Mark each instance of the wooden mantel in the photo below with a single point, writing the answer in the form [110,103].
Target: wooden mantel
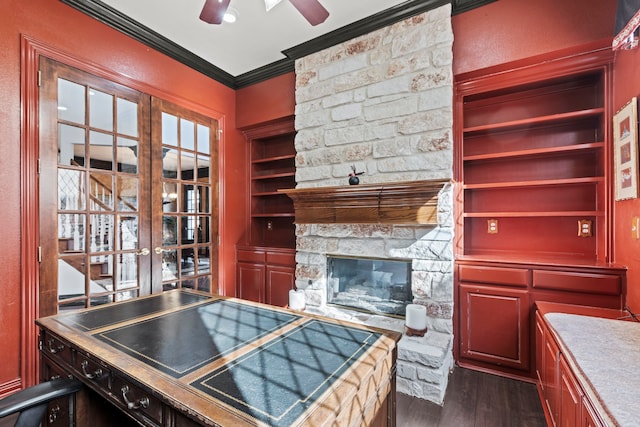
[411,202]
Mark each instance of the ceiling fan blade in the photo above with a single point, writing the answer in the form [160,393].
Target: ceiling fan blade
[312,10]
[214,10]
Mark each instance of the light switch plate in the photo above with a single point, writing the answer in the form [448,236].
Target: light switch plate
[635,227]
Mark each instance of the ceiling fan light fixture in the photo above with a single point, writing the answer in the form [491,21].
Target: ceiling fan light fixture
[213,11]
[230,16]
[269,4]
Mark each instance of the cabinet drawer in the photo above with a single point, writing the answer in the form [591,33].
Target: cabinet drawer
[494,275]
[58,410]
[56,349]
[605,284]
[136,401]
[251,256]
[281,258]
[92,370]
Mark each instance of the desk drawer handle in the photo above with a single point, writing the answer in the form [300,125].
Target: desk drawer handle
[54,350]
[143,402]
[53,414]
[96,375]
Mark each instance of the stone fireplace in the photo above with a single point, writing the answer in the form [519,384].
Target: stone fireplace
[424,363]
[382,104]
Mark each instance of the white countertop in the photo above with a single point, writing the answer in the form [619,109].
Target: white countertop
[606,354]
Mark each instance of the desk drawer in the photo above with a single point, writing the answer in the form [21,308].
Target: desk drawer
[89,369]
[56,349]
[58,410]
[138,403]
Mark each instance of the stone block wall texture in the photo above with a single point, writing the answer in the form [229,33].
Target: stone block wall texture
[383,103]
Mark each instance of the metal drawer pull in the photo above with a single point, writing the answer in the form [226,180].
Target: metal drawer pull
[52,349]
[96,375]
[53,414]
[143,402]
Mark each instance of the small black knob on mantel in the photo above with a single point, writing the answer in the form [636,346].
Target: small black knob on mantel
[353,176]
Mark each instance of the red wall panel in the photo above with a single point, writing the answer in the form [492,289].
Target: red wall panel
[626,82]
[508,30]
[266,101]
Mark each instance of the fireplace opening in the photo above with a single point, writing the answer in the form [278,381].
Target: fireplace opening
[379,286]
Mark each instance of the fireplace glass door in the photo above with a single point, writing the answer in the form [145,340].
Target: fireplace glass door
[380,286]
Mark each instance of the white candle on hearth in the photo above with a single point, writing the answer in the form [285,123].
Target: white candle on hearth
[296,299]
[416,317]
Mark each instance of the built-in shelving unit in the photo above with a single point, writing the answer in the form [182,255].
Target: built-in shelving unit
[533,202]
[265,261]
[533,166]
[272,160]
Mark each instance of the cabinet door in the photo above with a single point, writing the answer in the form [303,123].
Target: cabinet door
[551,376]
[279,281]
[540,337]
[590,417]
[251,281]
[570,397]
[494,325]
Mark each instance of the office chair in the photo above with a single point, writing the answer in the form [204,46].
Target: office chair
[31,403]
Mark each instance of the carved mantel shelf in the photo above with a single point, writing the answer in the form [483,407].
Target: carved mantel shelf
[411,202]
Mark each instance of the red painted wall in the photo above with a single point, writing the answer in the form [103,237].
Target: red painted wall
[626,82]
[507,30]
[62,27]
[266,101]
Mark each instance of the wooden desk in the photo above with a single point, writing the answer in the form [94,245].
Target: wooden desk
[184,358]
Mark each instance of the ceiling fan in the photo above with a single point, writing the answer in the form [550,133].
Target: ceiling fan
[214,10]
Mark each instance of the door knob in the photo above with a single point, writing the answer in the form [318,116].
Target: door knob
[159,250]
[143,252]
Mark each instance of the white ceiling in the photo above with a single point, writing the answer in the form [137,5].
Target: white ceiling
[255,40]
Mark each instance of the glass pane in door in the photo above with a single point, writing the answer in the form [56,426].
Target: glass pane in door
[98,195]
[186,200]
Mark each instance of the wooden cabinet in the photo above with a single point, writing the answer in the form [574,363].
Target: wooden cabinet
[563,398]
[590,417]
[265,274]
[266,261]
[533,218]
[570,396]
[496,325]
[279,281]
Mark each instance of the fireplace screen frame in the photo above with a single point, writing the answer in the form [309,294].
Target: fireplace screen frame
[361,293]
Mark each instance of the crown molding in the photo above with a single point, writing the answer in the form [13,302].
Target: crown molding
[460,6]
[117,20]
[364,26]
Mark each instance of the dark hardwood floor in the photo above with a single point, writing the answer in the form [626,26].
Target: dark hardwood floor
[475,399]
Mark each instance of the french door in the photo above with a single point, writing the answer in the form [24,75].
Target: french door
[127,189]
